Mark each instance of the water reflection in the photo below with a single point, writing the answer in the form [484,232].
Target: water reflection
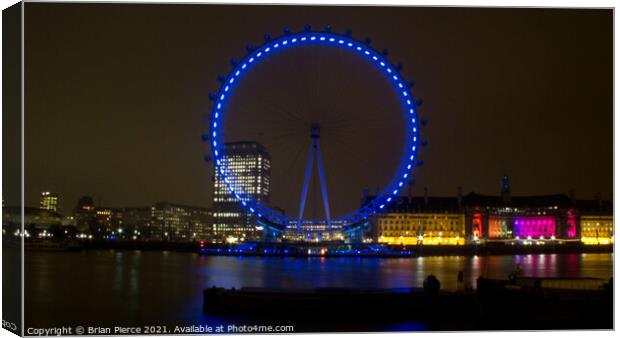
[128,287]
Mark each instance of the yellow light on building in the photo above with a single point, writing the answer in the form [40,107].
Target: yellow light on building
[49,201]
[597,230]
[421,228]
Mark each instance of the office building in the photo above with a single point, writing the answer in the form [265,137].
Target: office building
[139,225]
[84,215]
[179,223]
[49,201]
[248,168]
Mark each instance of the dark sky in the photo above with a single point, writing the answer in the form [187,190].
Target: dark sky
[116,96]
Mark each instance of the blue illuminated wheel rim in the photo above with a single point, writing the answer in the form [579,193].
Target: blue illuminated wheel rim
[315,38]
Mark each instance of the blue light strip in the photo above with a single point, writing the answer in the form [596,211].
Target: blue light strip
[318,39]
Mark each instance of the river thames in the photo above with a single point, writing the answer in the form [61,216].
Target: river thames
[109,288]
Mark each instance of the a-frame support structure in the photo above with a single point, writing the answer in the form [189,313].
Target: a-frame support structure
[315,150]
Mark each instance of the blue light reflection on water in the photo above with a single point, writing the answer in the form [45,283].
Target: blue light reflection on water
[129,287]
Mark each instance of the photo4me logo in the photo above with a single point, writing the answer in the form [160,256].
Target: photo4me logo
[193,329]
[9,325]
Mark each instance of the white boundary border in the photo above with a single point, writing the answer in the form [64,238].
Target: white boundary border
[454,3]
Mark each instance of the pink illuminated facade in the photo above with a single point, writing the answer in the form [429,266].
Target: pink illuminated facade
[571,224]
[534,226]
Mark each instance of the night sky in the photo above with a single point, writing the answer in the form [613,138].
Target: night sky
[116,99]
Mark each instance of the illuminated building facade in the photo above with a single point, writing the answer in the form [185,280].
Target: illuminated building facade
[179,223]
[597,229]
[498,227]
[422,228]
[571,224]
[520,217]
[421,221]
[162,221]
[596,222]
[108,223]
[476,218]
[49,201]
[476,224]
[314,231]
[249,168]
[96,222]
[507,217]
[535,226]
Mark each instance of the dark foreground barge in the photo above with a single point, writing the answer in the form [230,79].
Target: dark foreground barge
[518,304]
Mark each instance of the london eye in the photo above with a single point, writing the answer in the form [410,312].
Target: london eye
[362,95]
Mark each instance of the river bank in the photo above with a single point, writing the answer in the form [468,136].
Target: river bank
[324,249]
[348,250]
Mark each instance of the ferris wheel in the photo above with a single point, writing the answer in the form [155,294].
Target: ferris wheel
[406,106]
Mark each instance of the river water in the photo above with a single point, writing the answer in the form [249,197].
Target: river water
[109,288]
